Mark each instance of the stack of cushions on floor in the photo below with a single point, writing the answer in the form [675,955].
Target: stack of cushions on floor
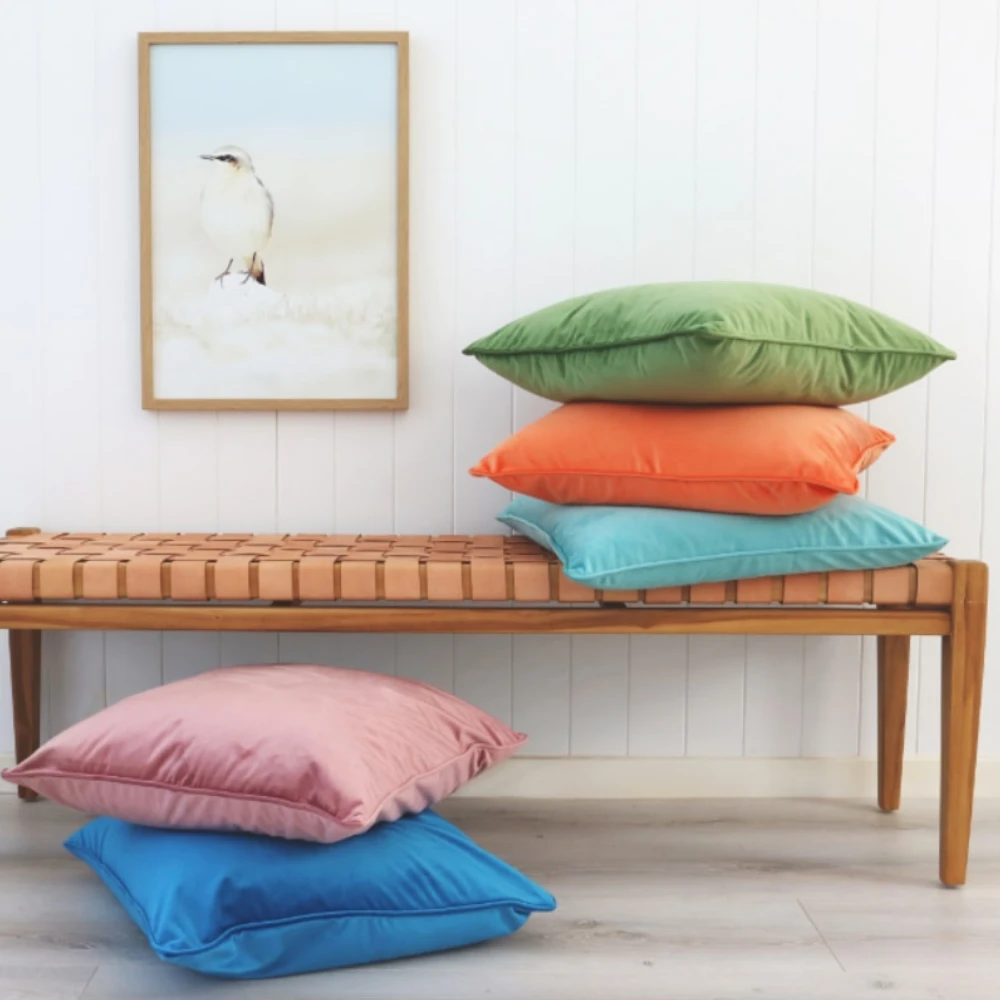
[701,437]
[270,820]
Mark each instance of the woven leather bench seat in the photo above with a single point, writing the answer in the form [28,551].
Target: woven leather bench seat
[365,568]
[493,584]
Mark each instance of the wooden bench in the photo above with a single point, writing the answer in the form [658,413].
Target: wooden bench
[489,583]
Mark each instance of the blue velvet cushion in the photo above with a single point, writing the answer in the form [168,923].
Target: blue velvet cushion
[247,907]
[626,548]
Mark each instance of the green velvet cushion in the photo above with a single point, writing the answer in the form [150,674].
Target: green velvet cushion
[710,342]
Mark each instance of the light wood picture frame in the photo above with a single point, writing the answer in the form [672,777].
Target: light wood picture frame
[274,200]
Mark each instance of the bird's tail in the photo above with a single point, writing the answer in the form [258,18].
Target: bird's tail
[257,270]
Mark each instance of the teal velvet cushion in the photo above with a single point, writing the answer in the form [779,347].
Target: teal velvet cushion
[626,548]
[709,342]
[243,906]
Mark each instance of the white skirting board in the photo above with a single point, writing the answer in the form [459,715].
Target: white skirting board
[697,778]
[705,778]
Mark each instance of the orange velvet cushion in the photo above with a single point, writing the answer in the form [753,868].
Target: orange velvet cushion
[730,459]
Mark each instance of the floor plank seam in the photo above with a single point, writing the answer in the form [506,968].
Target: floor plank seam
[86,985]
[822,936]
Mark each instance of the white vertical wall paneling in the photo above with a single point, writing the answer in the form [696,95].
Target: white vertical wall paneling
[724,191]
[485,211]
[427,658]
[901,287]
[604,253]
[21,447]
[845,149]
[901,243]
[715,696]
[130,452]
[666,89]
[247,491]
[541,692]
[544,167]
[773,708]
[376,653]
[964,191]
[129,435]
[309,647]
[845,165]
[425,474]
[483,672]
[306,472]
[133,663]
[67,103]
[989,740]
[189,455]
[246,445]
[658,668]
[960,280]
[599,695]
[69,222]
[483,291]
[557,148]
[248,502]
[306,15]
[543,216]
[785,145]
[605,144]
[237,648]
[867,726]
[783,241]
[842,247]
[189,446]
[348,649]
[831,697]
[189,442]
[365,442]
[188,653]
[541,688]
[247,495]
[923,735]
[306,442]
[724,205]
[248,442]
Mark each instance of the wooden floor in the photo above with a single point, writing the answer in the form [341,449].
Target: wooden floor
[778,900]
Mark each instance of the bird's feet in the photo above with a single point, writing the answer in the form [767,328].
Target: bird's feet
[219,277]
[255,271]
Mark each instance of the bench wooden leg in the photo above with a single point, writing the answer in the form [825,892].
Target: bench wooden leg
[962,661]
[893,681]
[26,691]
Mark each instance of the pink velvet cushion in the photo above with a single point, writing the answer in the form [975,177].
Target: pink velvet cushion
[297,751]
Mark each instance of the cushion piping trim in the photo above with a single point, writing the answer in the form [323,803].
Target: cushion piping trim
[581,578]
[659,477]
[270,799]
[84,854]
[877,449]
[945,354]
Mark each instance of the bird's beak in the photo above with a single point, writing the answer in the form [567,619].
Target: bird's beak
[206,156]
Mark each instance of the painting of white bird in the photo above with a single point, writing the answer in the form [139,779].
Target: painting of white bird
[273,175]
[237,211]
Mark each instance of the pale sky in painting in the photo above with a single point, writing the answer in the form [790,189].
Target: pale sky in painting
[199,90]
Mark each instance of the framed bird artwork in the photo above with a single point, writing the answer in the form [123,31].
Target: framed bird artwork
[274,199]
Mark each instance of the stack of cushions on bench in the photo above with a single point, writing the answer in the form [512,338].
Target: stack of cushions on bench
[701,437]
[270,820]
